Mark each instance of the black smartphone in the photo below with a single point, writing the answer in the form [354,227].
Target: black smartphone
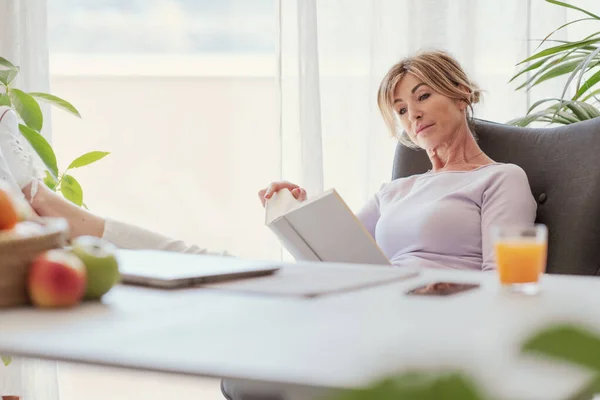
[442,289]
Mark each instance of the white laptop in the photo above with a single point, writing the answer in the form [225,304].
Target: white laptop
[174,270]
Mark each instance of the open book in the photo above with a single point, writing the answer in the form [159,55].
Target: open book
[322,228]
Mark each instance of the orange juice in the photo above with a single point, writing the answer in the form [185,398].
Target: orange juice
[520,260]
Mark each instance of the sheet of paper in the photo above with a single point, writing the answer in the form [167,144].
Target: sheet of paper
[314,280]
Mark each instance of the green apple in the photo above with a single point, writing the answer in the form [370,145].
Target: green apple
[99,257]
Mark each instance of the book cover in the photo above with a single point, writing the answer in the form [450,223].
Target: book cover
[322,228]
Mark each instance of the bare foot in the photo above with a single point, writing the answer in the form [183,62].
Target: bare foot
[47,203]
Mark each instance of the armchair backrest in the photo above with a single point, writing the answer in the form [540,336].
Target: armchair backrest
[563,167]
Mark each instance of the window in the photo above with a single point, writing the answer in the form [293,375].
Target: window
[183,94]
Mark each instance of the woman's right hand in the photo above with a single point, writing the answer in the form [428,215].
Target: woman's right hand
[274,187]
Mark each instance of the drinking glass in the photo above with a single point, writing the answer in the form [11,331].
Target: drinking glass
[520,256]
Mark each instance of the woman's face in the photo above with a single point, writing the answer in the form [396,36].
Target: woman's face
[428,117]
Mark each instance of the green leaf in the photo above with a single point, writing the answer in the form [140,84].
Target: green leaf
[6,360]
[56,101]
[533,66]
[87,159]
[592,111]
[557,113]
[28,109]
[5,100]
[418,386]
[555,119]
[577,110]
[560,3]
[540,102]
[591,36]
[587,85]
[569,343]
[50,181]
[585,66]
[578,49]
[41,147]
[559,48]
[562,27]
[6,64]
[528,119]
[581,110]
[559,70]
[71,189]
[8,71]
[547,62]
[574,73]
[554,115]
[559,118]
[8,75]
[565,116]
[590,95]
[556,62]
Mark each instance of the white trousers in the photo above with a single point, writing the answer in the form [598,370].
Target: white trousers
[127,236]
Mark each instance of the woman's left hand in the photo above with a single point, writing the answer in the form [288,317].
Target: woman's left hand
[265,194]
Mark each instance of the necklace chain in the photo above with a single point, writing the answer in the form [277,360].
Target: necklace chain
[465,160]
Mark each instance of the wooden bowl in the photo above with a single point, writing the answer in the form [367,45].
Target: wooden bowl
[17,251]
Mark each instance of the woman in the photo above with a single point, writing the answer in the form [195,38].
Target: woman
[443,218]
[440,219]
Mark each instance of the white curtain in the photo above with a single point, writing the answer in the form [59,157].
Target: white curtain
[333,54]
[23,41]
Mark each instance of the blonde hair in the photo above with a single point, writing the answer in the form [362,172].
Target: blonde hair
[438,70]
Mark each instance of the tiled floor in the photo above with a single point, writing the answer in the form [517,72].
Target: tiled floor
[78,382]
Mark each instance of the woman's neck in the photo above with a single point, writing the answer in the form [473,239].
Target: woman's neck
[460,152]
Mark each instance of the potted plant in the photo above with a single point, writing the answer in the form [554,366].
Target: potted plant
[28,109]
[580,59]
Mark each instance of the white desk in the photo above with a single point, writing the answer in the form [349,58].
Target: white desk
[339,341]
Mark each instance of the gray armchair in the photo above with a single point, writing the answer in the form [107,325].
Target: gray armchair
[563,167]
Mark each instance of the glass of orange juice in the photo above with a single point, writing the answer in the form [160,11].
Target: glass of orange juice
[520,256]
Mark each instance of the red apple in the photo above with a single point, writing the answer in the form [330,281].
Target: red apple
[8,211]
[57,278]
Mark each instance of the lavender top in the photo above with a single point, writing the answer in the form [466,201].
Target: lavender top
[443,220]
